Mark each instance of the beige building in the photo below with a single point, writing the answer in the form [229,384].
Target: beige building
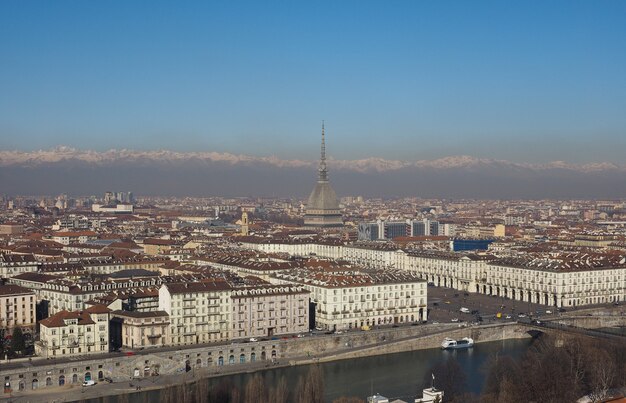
[154,247]
[17,308]
[351,299]
[552,278]
[264,311]
[13,265]
[68,237]
[499,231]
[199,311]
[143,329]
[74,333]
[11,228]
[568,279]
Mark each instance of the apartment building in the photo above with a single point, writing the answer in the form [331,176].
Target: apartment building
[71,333]
[141,329]
[14,264]
[62,294]
[484,273]
[565,279]
[351,298]
[265,311]
[199,311]
[17,308]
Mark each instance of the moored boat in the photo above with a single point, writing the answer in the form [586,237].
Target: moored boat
[465,342]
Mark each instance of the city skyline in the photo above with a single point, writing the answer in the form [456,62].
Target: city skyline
[530,83]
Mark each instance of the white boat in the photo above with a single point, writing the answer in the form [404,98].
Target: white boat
[465,342]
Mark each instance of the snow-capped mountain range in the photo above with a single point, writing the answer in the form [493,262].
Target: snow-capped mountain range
[114,156]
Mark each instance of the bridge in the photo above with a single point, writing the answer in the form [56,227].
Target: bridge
[585,325]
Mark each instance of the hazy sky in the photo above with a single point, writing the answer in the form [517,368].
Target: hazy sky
[525,81]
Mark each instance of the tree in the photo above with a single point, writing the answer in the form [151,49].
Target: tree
[223,392]
[352,399]
[311,388]
[449,377]
[255,391]
[279,393]
[601,375]
[18,344]
[201,390]
[500,370]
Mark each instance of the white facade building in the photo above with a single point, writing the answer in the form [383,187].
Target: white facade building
[199,311]
[74,333]
[550,278]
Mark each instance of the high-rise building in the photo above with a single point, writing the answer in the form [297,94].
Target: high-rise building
[322,209]
[368,231]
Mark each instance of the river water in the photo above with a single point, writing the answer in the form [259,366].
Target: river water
[398,375]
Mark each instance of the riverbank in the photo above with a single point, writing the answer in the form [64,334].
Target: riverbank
[294,353]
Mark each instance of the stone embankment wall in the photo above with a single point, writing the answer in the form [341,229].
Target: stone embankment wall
[480,334]
[40,373]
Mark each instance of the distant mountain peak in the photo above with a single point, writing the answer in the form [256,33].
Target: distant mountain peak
[62,153]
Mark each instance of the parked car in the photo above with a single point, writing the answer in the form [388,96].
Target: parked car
[89,383]
[521,315]
[548,312]
[454,320]
[253,339]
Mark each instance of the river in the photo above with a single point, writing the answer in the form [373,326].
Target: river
[397,375]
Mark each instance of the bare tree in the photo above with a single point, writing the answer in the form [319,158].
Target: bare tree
[201,391]
[602,375]
[235,395]
[255,391]
[280,392]
[352,399]
[311,388]
[449,377]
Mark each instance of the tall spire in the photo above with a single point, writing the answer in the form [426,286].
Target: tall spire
[323,172]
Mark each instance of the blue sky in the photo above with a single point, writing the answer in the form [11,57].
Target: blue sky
[525,81]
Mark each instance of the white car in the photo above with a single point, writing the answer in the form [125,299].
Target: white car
[508,316]
[89,383]
[253,339]
[548,312]
[454,320]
